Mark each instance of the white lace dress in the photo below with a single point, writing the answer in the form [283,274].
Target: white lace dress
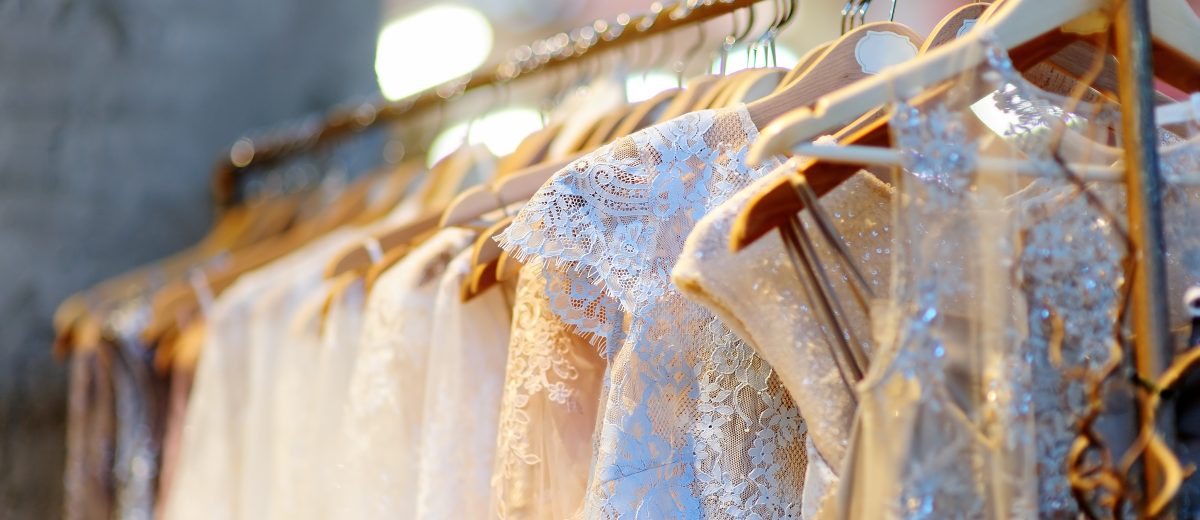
[552,391]
[793,336]
[693,423]
[463,384]
[386,397]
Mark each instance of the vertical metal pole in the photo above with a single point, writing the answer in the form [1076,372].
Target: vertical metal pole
[1153,348]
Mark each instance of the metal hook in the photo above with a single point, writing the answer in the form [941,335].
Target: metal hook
[892,14]
[846,10]
[863,6]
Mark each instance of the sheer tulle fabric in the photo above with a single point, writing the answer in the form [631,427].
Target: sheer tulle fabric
[552,389]
[793,337]
[693,422]
[221,444]
[463,385]
[386,398]
[942,428]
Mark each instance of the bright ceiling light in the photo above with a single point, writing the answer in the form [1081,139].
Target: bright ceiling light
[430,47]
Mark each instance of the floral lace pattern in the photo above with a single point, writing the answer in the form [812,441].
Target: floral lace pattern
[551,393]
[694,423]
[794,339]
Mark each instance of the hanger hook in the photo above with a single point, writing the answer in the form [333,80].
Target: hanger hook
[863,6]
[846,10]
[892,14]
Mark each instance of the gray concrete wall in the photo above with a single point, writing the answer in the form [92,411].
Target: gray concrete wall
[111,115]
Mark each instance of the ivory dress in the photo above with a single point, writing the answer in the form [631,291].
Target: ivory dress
[386,398]
[463,384]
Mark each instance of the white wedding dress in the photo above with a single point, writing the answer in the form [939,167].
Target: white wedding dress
[386,398]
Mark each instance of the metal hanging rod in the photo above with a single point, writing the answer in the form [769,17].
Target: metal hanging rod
[539,57]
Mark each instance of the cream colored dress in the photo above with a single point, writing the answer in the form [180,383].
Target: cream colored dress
[386,398]
[463,383]
[552,390]
[759,294]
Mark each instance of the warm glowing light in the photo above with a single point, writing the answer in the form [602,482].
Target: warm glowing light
[430,47]
[499,131]
[640,87]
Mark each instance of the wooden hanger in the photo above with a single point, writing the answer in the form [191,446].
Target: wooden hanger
[712,98]
[755,86]
[478,201]
[772,208]
[645,113]
[391,258]
[178,300]
[846,61]
[683,103]
[1013,23]
[604,130]
[485,259]
[531,150]
[389,192]
[360,257]
[804,63]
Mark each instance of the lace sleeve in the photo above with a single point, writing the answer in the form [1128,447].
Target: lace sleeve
[587,212]
[615,220]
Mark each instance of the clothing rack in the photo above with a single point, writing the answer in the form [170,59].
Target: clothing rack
[556,51]
[1153,349]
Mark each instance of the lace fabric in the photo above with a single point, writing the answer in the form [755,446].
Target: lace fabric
[792,338]
[694,423]
[463,388]
[552,390]
[386,397]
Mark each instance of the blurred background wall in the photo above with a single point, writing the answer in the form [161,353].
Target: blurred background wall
[112,113]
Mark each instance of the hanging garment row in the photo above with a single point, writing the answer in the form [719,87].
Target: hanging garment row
[891,282]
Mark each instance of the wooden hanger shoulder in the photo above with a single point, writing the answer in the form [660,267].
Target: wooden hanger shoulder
[711,98]
[360,257]
[804,63]
[1012,23]
[532,150]
[604,130]
[859,54]
[761,84]
[646,112]
[485,259]
[683,103]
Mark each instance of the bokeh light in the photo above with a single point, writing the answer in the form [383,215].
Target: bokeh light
[430,47]
[499,131]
